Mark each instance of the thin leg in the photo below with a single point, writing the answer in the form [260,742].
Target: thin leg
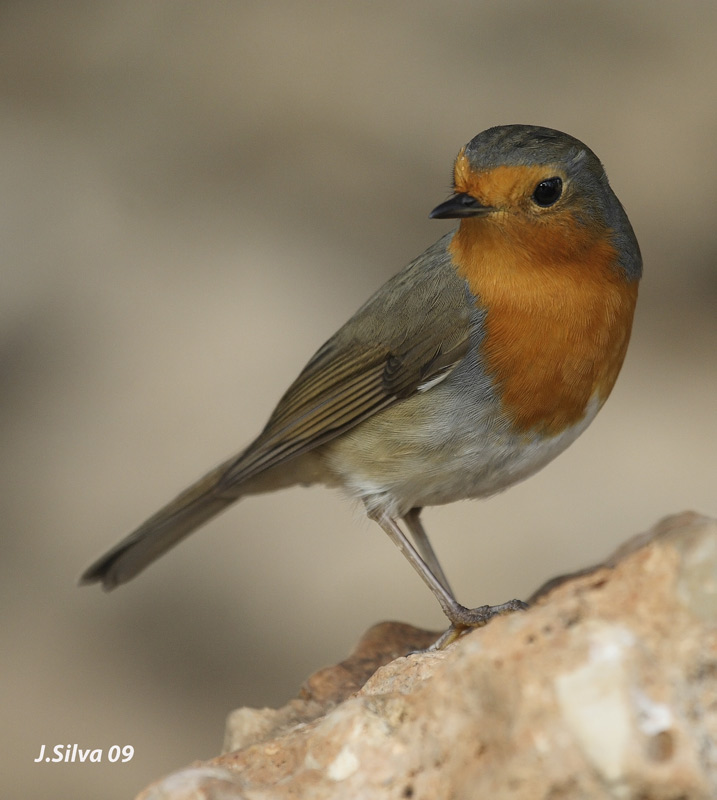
[399,538]
[424,547]
[459,616]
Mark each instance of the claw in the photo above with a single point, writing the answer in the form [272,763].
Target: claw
[466,618]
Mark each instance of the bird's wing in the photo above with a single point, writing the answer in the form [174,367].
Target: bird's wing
[406,338]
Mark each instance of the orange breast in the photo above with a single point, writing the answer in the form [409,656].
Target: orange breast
[558,317]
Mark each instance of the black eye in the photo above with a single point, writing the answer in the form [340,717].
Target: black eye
[548,191]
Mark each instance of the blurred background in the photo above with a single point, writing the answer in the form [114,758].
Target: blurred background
[194,197]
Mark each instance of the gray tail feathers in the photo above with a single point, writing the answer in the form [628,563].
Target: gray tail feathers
[192,508]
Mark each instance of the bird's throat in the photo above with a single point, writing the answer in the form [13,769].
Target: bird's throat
[558,316]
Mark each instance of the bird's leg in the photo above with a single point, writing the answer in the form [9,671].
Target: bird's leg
[459,616]
[399,538]
[424,547]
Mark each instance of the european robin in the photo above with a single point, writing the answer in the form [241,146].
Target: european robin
[465,373]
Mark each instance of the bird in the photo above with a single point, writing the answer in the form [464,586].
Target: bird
[467,372]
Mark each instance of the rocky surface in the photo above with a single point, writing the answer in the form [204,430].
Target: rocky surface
[605,688]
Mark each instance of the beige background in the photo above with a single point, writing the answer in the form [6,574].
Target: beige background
[194,196]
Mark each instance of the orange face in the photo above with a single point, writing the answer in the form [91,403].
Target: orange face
[505,187]
[559,308]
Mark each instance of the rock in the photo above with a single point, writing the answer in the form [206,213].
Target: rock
[605,688]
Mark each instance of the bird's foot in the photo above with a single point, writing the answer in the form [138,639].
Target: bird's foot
[463,619]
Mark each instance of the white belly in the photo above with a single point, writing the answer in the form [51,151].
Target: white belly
[413,455]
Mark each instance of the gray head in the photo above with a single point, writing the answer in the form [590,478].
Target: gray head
[528,145]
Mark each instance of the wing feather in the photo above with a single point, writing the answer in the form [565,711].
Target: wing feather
[405,339]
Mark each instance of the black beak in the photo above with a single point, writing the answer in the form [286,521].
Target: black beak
[460,206]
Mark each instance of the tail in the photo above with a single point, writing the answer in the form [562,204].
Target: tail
[192,508]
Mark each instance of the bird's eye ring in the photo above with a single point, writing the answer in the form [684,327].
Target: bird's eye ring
[548,192]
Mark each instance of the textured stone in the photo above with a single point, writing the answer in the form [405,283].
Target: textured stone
[605,688]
